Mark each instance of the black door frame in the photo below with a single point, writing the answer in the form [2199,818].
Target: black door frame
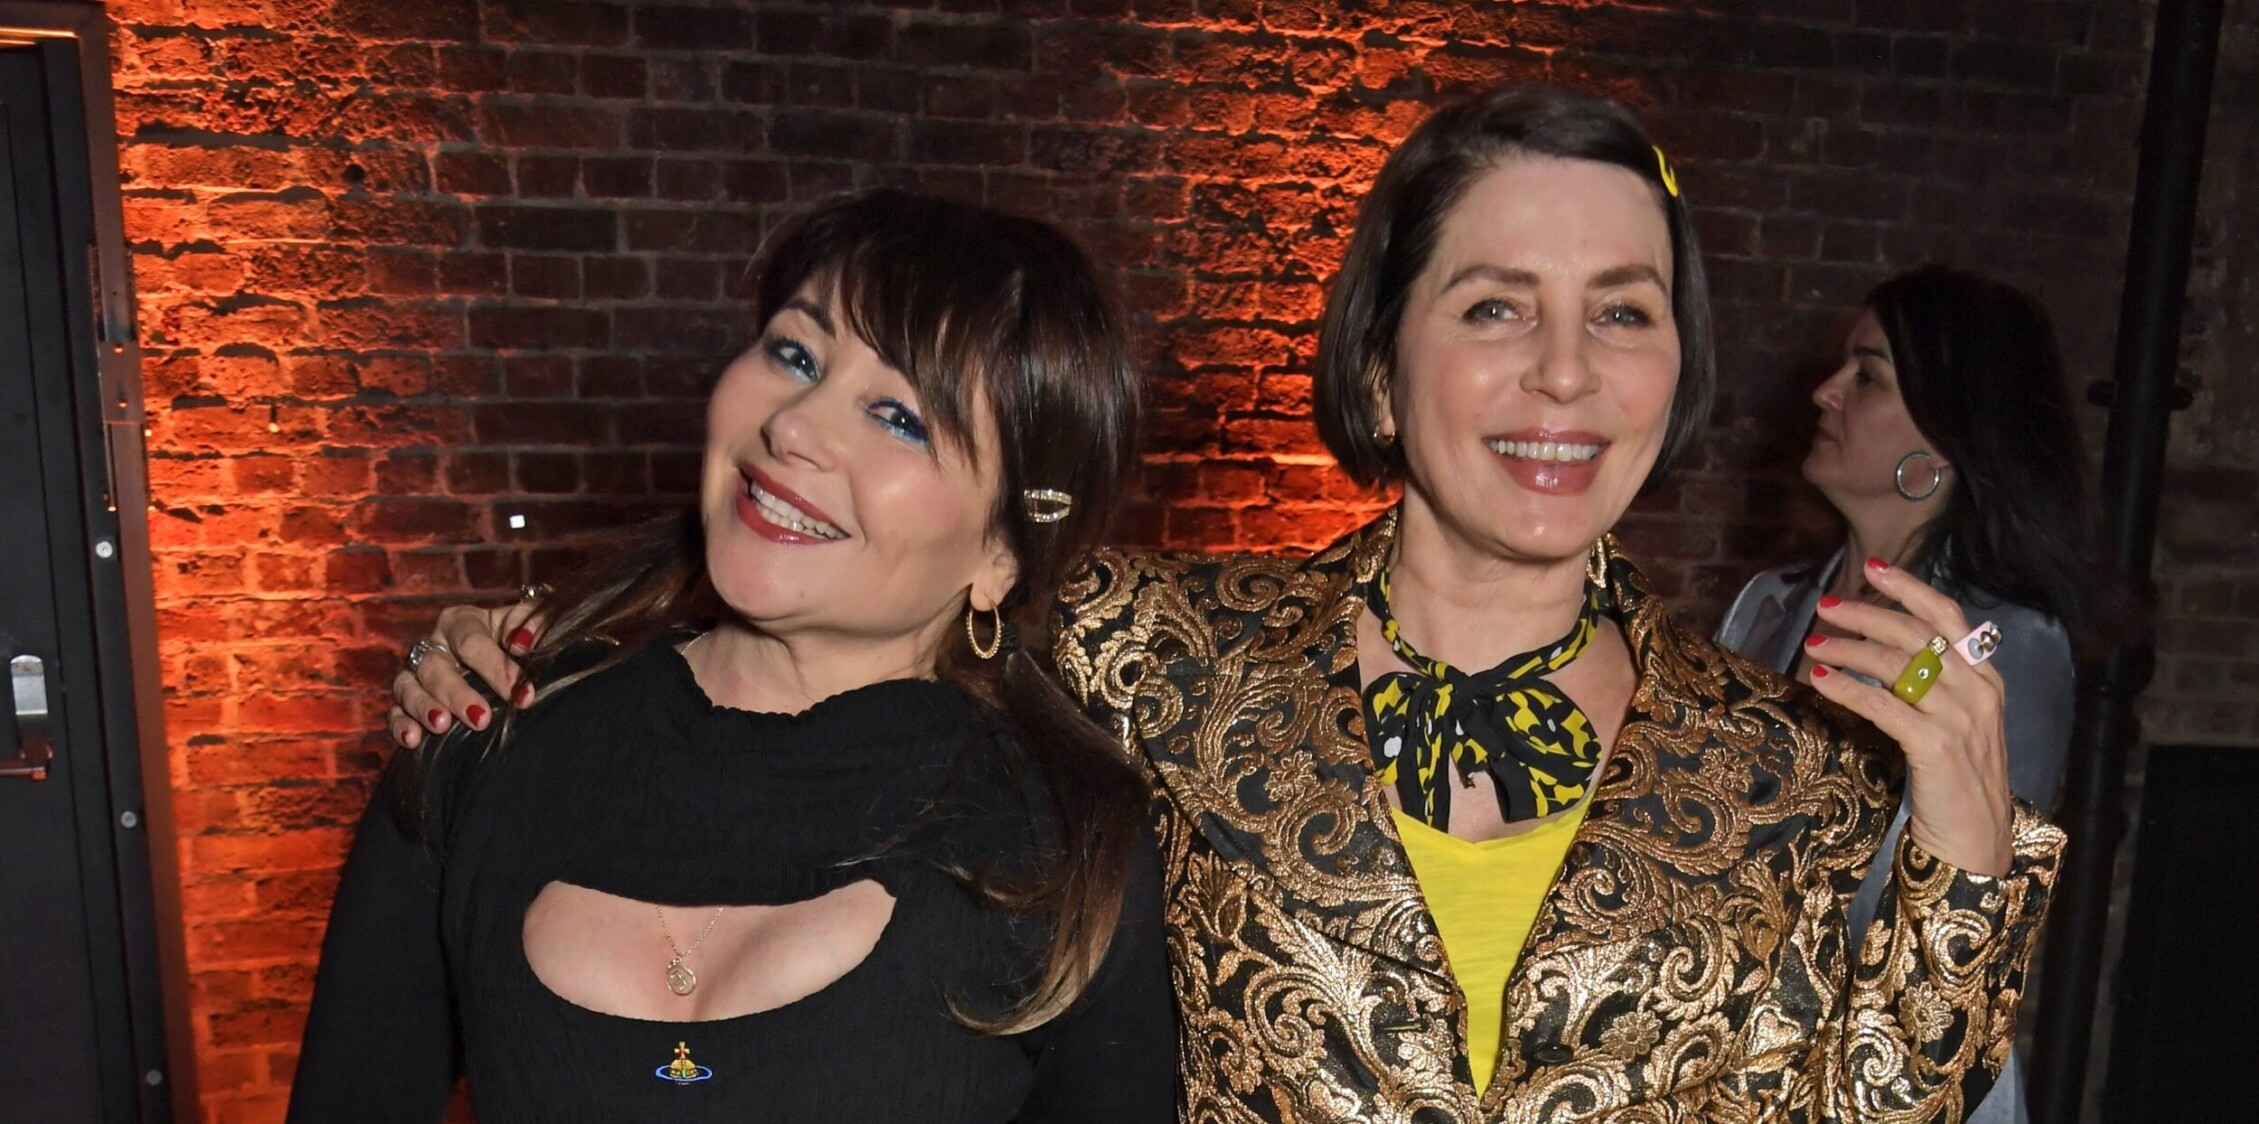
[114,564]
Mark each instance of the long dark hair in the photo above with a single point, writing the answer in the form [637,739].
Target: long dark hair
[964,301]
[1395,237]
[1982,379]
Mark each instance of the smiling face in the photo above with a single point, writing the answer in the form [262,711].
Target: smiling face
[1864,429]
[1536,358]
[829,505]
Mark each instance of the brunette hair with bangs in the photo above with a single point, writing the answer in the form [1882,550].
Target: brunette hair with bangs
[970,302]
[977,309]
[1395,239]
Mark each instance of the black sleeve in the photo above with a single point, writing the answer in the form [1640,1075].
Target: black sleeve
[380,1043]
[1111,1059]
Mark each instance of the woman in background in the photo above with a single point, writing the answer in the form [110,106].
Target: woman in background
[1946,442]
[798,829]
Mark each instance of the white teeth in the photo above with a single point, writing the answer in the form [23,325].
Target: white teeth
[1545,450]
[790,517]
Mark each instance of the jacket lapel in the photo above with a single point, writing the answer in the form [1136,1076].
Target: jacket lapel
[1790,617]
[1624,802]
[1268,760]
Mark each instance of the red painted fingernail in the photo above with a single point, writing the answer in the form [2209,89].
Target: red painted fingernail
[1815,640]
[523,695]
[476,715]
[1830,601]
[521,638]
[1877,564]
[436,718]
[1820,672]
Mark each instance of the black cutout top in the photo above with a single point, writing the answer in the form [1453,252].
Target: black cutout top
[633,783]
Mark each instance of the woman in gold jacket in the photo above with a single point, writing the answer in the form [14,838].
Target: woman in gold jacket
[1519,337]
[1606,878]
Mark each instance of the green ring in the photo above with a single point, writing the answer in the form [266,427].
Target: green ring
[1921,673]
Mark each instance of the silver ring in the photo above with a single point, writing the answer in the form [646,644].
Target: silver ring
[422,650]
[535,591]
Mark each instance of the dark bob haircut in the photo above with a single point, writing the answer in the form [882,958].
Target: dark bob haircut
[1396,233]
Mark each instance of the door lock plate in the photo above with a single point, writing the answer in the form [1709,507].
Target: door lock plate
[35,745]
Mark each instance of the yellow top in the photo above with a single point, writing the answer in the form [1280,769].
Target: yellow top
[1484,896]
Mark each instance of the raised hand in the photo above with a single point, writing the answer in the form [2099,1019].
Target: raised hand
[1954,734]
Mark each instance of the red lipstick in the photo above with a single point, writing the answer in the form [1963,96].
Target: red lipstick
[758,521]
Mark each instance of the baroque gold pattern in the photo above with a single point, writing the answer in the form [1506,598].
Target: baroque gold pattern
[1689,962]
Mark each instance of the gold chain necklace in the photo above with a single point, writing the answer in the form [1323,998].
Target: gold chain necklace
[680,979]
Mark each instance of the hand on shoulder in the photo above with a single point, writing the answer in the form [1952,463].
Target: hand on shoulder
[434,694]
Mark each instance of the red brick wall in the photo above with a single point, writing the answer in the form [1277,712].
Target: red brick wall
[410,267]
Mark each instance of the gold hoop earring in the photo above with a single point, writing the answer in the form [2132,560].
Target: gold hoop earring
[995,642]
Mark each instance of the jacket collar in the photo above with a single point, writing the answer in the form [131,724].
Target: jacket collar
[1307,819]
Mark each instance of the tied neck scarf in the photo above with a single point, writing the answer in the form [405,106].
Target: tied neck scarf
[1537,746]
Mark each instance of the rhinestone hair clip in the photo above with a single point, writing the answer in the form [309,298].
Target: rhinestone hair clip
[1046,505]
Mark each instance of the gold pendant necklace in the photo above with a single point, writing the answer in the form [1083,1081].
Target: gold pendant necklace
[680,979]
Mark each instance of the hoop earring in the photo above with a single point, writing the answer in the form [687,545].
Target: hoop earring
[995,641]
[1898,477]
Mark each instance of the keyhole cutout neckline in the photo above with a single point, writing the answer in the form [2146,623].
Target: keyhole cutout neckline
[587,949]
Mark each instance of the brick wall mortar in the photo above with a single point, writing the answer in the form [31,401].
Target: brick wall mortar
[407,270]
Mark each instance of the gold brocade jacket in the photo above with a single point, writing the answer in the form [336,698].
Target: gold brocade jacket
[1688,963]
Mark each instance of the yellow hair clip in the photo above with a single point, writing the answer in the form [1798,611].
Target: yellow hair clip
[1663,165]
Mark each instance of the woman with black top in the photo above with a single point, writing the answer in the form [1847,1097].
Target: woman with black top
[802,828]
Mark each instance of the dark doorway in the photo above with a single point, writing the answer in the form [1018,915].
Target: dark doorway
[2181,1045]
[82,992]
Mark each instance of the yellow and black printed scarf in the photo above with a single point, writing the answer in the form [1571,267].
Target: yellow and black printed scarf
[1538,748]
